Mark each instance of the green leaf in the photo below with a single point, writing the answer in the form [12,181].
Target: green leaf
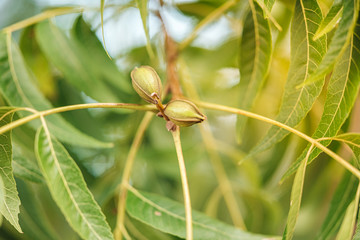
[255,57]
[169,216]
[268,4]
[70,58]
[24,161]
[338,42]
[331,19]
[2,200]
[306,54]
[92,53]
[26,169]
[341,95]
[17,85]
[143,7]
[295,200]
[342,197]
[102,5]
[353,140]
[68,188]
[10,199]
[35,223]
[347,227]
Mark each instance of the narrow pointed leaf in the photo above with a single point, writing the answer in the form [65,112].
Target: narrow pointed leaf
[255,57]
[306,54]
[68,188]
[342,197]
[9,200]
[102,5]
[353,141]
[69,58]
[338,42]
[347,227]
[143,7]
[169,216]
[295,201]
[92,53]
[341,95]
[17,86]
[331,19]
[268,4]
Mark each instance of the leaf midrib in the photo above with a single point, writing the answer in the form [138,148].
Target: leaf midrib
[306,73]
[64,180]
[151,203]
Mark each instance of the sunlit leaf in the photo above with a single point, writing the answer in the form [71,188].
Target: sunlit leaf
[306,54]
[342,197]
[68,188]
[347,227]
[338,42]
[268,4]
[169,216]
[329,22]
[353,141]
[255,56]
[68,57]
[9,200]
[341,95]
[143,7]
[17,86]
[295,200]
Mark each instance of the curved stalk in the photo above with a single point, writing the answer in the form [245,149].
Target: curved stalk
[185,185]
[315,142]
[39,114]
[119,230]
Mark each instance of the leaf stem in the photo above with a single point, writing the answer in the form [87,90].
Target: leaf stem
[188,216]
[42,16]
[126,175]
[36,115]
[316,143]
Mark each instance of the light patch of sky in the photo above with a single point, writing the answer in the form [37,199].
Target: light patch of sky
[214,34]
[125,31]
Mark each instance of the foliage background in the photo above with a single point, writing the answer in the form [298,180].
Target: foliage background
[67,59]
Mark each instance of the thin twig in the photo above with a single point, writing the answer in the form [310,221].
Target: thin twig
[36,115]
[185,186]
[127,172]
[215,160]
[316,143]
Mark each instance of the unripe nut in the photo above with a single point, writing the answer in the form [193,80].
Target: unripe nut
[146,83]
[183,113]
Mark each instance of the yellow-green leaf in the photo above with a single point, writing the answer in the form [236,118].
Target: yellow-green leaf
[331,19]
[255,55]
[306,54]
[338,42]
[341,95]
